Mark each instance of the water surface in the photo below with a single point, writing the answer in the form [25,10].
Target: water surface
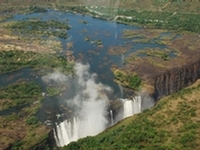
[109,33]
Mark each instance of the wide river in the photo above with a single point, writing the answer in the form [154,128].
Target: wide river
[99,59]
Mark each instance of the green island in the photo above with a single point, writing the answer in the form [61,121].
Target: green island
[173,122]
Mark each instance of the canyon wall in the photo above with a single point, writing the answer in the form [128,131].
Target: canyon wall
[175,79]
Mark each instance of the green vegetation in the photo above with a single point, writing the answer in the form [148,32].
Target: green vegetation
[52,90]
[39,28]
[132,80]
[31,140]
[162,20]
[36,9]
[97,43]
[78,9]
[26,9]
[14,60]
[171,20]
[178,21]
[21,130]
[118,50]
[5,17]
[159,53]
[32,120]
[83,22]
[29,96]
[87,38]
[143,35]
[19,94]
[129,34]
[171,124]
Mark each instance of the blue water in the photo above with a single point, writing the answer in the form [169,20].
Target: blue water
[110,33]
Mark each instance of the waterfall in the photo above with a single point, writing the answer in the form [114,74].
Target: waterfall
[121,90]
[76,128]
[67,131]
[128,108]
[122,57]
[59,136]
[132,106]
[116,35]
[89,101]
[56,137]
[137,104]
[111,117]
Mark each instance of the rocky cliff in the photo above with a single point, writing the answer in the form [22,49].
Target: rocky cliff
[175,79]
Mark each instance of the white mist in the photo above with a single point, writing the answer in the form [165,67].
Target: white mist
[90,105]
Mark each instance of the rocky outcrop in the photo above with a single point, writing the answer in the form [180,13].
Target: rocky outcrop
[175,79]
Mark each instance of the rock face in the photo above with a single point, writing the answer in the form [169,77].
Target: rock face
[175,79]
